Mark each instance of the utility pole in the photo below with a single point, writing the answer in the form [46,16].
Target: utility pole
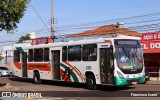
[52,20]
[6,57]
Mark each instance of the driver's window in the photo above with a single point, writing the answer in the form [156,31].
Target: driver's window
[122,55]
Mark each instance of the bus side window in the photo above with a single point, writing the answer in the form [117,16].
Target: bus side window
[46,54]
[17,56]
[74,53]
[64,53]
[38,54]
[30,55]
[89,52]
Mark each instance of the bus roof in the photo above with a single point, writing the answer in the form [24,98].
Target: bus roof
[78,42]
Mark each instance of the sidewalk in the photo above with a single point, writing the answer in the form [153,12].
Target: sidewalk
[153,81]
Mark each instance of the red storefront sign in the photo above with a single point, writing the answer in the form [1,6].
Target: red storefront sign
[41,41]
[151,42]
[153,36]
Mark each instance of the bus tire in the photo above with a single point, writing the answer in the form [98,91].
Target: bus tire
[90,82]
[36,78]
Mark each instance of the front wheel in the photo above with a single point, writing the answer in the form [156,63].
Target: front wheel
[36,78]
[91,83]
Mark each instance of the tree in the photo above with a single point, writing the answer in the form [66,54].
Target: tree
[1,57]
[23,38]
[11,11]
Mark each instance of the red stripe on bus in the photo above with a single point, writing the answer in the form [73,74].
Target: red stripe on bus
[39,66]
[64,77]
[74,69]
[18,65]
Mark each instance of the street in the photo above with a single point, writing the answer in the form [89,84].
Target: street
[60,90]
[46,85]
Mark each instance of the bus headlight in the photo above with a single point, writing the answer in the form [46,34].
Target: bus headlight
[120,75]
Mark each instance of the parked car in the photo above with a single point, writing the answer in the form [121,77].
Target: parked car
[5,71]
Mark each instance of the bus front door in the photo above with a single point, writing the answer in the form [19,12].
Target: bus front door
[56,64]
[106,65]
[24,64]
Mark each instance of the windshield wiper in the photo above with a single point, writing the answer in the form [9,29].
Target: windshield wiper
[136,50]
[125,52]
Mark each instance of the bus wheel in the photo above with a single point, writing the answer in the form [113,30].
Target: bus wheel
[36,78]
[11,74]
[91,83]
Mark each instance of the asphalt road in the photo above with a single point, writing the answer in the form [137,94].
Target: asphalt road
[51,90]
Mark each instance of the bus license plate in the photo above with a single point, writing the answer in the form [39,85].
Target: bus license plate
[134,83]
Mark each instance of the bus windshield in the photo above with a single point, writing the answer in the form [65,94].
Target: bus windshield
[129,56]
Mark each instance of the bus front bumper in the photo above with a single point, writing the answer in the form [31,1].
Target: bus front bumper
[128,81]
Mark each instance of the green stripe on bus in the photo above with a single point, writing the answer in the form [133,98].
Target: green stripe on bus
[19,49]
[72,73]
[123,81]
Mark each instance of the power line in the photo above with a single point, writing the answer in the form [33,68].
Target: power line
[40,17]
[131,20]
[127,18]
[74,18]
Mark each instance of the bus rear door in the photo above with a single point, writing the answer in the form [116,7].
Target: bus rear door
[56,64]
[24,64]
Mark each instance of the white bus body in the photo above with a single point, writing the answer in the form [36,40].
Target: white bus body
[94,61]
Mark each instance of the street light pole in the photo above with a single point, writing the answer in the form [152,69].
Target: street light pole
[52,20]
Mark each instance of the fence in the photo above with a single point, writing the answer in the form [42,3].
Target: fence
[153,72]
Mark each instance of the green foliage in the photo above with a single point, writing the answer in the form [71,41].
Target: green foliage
[23,38]
[11,11]
[1,57]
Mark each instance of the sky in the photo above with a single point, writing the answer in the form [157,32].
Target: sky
[74,16]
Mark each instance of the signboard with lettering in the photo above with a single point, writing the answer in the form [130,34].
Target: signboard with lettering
[151,47]
[151,42]
[152,36]
[126,42]
[38,41]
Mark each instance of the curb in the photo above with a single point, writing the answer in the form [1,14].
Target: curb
[153,82]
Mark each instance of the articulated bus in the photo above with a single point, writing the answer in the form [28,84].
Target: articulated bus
[117,61]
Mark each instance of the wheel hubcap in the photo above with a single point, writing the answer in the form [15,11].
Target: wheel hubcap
[36,79]
[90,82]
